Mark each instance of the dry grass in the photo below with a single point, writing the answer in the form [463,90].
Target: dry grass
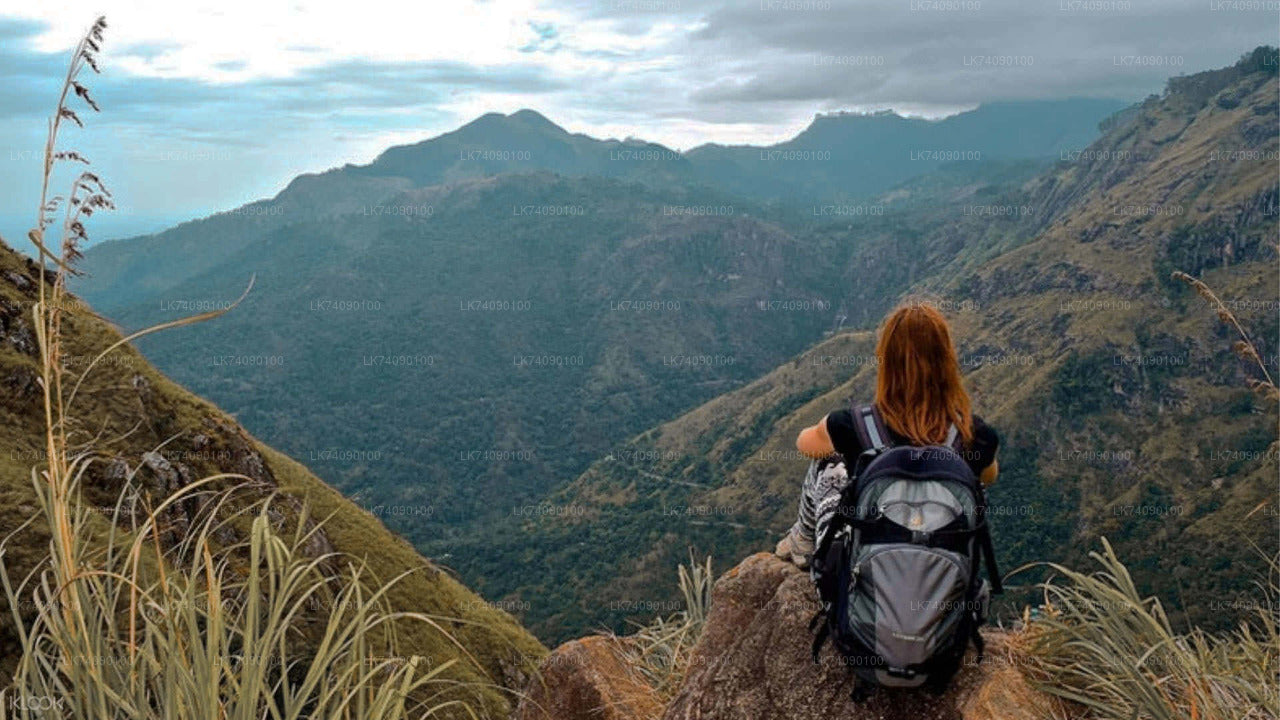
[660,651]
[1243,347]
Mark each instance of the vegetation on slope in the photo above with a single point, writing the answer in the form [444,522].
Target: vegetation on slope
[461,436]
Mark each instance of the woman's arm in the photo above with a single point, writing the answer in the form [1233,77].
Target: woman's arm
[815,442]
[986,442]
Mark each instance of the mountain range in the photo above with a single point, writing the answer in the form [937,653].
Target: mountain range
[850,157]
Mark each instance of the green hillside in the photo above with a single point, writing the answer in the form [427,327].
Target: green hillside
[172,438]
[464,363]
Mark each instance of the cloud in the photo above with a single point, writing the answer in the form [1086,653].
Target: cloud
[961,52]
[545,41]
[211,103]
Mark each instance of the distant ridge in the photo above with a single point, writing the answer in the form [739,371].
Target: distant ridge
[835,159]
[851,155]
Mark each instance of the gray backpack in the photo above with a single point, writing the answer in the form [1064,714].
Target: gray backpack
[897,561]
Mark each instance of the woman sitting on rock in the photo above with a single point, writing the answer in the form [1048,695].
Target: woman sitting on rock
[922,400]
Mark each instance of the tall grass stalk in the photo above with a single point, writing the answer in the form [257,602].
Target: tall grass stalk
[235,621]
[1244,347]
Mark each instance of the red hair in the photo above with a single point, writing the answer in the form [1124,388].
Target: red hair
[919,391]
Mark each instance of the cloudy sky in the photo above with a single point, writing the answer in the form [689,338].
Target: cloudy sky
[207,105]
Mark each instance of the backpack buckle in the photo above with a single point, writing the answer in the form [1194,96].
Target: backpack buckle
[921,537]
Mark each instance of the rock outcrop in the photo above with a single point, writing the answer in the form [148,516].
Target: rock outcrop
[753,662]
[589,679]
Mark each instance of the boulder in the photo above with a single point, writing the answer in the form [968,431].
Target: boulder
[753,662]
[589,679]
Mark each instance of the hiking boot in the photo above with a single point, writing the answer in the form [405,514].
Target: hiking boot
[796,548]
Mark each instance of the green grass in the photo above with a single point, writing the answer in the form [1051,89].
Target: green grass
[1101,644]
[660,650]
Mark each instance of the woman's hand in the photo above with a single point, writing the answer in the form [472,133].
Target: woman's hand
[989,473]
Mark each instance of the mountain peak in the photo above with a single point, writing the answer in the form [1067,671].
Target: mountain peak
[520,120]
[533,117]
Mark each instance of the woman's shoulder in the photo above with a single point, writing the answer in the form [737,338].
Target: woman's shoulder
[842,430]
[983,431]
[843,416]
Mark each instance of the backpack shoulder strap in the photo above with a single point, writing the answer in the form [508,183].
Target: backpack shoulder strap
[954,441]
[872,432]
[989,558]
